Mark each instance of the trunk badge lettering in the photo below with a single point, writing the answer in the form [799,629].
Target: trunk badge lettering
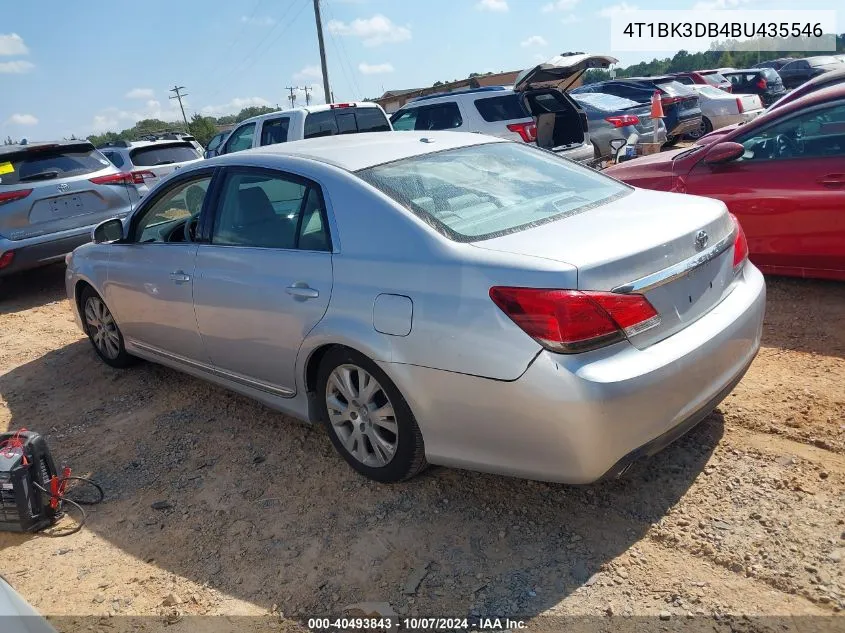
[63,187]
[701,239]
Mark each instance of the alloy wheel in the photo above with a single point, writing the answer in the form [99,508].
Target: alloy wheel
[102,328]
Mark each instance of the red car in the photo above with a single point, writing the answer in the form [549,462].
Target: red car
[705,77]
[782,175]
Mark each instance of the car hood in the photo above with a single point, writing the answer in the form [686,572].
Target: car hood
[565,66]
[716,135]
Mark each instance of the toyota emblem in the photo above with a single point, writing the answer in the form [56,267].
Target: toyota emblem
[63,187]
[701,239]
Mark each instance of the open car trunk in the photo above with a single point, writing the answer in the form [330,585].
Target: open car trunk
[560,122]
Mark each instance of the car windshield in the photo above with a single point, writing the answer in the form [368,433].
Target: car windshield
[487,190]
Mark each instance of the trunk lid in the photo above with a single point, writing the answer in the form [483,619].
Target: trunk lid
[566,66]
[750,102]
[652,232]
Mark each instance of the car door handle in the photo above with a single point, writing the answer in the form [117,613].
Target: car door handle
[302,291]
[179,277]
[832,180]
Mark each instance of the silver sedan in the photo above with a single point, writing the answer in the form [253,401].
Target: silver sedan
[438,298]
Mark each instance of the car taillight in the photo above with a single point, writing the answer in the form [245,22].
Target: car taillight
[670,100]
[623,119]
[114,179]
[138,177]
[6,258]
[11,196]
[740,246]
[761,84]
[335,106]
[528,131]
[573,321]
[739,107]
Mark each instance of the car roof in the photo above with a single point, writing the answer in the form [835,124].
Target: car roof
[359,151]
[18,147]
[440,97]
[310,109]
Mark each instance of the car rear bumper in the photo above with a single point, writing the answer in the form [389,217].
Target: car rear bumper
[685,126]
[580,153]
[579,418]
[42,250]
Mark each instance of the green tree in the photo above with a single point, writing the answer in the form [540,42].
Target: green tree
[202,128]
[229,119]
[9,141]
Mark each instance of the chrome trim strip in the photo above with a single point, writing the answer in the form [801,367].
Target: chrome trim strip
[220,373]
[661,277]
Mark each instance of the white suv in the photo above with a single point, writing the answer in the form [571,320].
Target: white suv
[148,162]
[308,122]
[535,110]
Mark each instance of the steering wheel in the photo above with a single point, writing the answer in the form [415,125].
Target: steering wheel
[786,146]
[189,229]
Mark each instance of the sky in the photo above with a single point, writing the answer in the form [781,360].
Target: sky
[95,65]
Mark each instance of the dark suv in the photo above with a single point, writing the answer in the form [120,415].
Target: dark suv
[681,110]
[765,82]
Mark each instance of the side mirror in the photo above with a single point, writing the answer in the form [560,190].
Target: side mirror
[722,153]
[108,231]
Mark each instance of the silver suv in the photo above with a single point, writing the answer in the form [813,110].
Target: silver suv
[536,109]
[51,197]
[148,162]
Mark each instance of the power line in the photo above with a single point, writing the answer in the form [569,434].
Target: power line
[344,56]
[179,96]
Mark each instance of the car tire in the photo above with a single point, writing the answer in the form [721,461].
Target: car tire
[370,424]
[705,128]
[102,330]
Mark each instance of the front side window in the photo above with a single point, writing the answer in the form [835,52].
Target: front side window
[262,210]
[241,139]
[274,131]
[816,134]
[406,120]
[483,191]
[168,213]
[441,116]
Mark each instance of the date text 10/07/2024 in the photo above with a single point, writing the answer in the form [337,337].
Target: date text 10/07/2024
[414,624]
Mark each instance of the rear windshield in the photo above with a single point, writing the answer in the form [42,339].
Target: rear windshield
[345,121]
[484,191]
[674,88]
[505,108]
[714,79]
[153,155]
[605,102]
[37,164]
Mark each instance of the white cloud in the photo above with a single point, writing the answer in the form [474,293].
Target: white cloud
[375,69]
[16,67]
[22,119]
[265,21]
[618,9]
[373,31]
[309,72]
[559,5]
[140,93]
[234,106]
[492,5]
[116,119]
[534,40]
[570,19]
[12,44]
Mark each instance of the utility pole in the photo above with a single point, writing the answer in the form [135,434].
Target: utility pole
[307,90]
[292,96]
[179,96]
[322,52]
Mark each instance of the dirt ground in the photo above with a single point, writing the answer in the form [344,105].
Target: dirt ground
[743,516]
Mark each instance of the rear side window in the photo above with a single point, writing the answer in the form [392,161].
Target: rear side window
[320,124]
[438,116]
[275,131]
[46,164]
[506,108]
[371,120]
[115,158]
[153,155]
